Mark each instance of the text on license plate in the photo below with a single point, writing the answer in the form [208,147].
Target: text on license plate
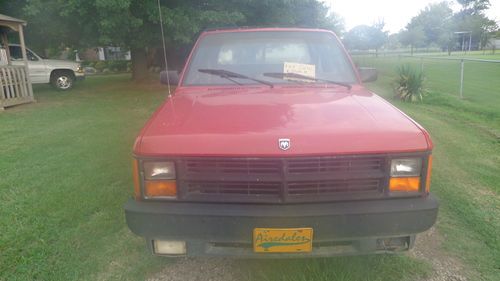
[282,240]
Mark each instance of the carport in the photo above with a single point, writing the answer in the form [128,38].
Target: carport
[15,83]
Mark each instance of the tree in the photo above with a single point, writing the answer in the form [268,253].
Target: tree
[134,24]
[473,7]
[393,42]
[435,22]
[304,13]
[413,36]
[364,37]
[478,24]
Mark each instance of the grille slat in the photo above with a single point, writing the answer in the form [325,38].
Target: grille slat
[234,188]
[326,187]
[264,179]
[224,166]
[330,165]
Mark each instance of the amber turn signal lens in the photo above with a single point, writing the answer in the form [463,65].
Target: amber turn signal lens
[411,184]
[160,189]
[428,179]
[137,185]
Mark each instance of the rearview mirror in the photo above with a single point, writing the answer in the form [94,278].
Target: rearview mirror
[171,76]
[368,74]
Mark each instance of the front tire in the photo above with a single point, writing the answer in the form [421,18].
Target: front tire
[62,80]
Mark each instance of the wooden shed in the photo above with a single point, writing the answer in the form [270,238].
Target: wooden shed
[15,83]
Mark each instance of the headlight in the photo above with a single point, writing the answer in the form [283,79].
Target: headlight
[159,170]
[408,167]
[405,175]
[159,180]
[79,68]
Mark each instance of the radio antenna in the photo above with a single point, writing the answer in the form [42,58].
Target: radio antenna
[164,47]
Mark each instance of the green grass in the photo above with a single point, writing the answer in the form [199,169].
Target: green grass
[466,178]
[481,91]
[466,174]
[64,176]
[65,170]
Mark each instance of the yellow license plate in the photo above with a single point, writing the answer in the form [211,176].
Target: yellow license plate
[282,240]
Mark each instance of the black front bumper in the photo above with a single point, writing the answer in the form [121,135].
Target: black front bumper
[339,228]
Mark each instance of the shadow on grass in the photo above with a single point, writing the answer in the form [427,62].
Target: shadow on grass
[375,267]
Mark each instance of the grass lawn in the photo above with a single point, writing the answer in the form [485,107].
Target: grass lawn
[481,103]
[466,173]
[65,174]
[466,178]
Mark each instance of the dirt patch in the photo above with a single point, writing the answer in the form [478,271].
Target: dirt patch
[428,248]
[190,269]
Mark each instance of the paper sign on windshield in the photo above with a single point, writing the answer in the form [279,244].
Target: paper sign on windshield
[308,70]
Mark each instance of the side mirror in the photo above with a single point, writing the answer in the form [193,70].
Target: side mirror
[171,76]
[368,74]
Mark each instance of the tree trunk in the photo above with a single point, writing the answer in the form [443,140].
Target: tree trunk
[139,64]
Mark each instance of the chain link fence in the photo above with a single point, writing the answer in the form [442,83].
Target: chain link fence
[476,80]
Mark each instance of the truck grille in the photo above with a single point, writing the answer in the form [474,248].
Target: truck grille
[335,186]
[246,188]
[281,180]
[325,165]
[233,166]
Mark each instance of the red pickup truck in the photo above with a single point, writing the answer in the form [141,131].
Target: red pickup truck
[270,146]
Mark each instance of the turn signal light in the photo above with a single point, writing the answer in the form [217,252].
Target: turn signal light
[156,188]
[137,184]
[428,179]
[407,184]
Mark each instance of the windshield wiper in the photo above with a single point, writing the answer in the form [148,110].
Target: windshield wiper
[230,75]
[284,76]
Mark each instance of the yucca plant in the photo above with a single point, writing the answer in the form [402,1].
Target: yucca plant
[410,84]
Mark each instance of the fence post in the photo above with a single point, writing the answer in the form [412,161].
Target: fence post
[422,65]
[462,79]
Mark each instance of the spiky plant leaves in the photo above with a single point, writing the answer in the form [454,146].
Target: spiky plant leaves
[410,84]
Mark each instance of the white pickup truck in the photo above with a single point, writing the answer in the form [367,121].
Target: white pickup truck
[61,74]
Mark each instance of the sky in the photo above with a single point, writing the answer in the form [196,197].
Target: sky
[395,13]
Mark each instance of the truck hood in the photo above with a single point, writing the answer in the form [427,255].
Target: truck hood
[249,122]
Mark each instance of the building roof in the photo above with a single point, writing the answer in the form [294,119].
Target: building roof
[11,19]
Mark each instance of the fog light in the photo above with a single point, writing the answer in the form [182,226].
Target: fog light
[168,247]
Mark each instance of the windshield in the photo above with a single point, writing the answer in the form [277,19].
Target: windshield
[314,54]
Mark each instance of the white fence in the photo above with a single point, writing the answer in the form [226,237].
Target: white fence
[14,86]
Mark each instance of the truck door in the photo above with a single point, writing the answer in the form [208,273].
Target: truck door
[36,65]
